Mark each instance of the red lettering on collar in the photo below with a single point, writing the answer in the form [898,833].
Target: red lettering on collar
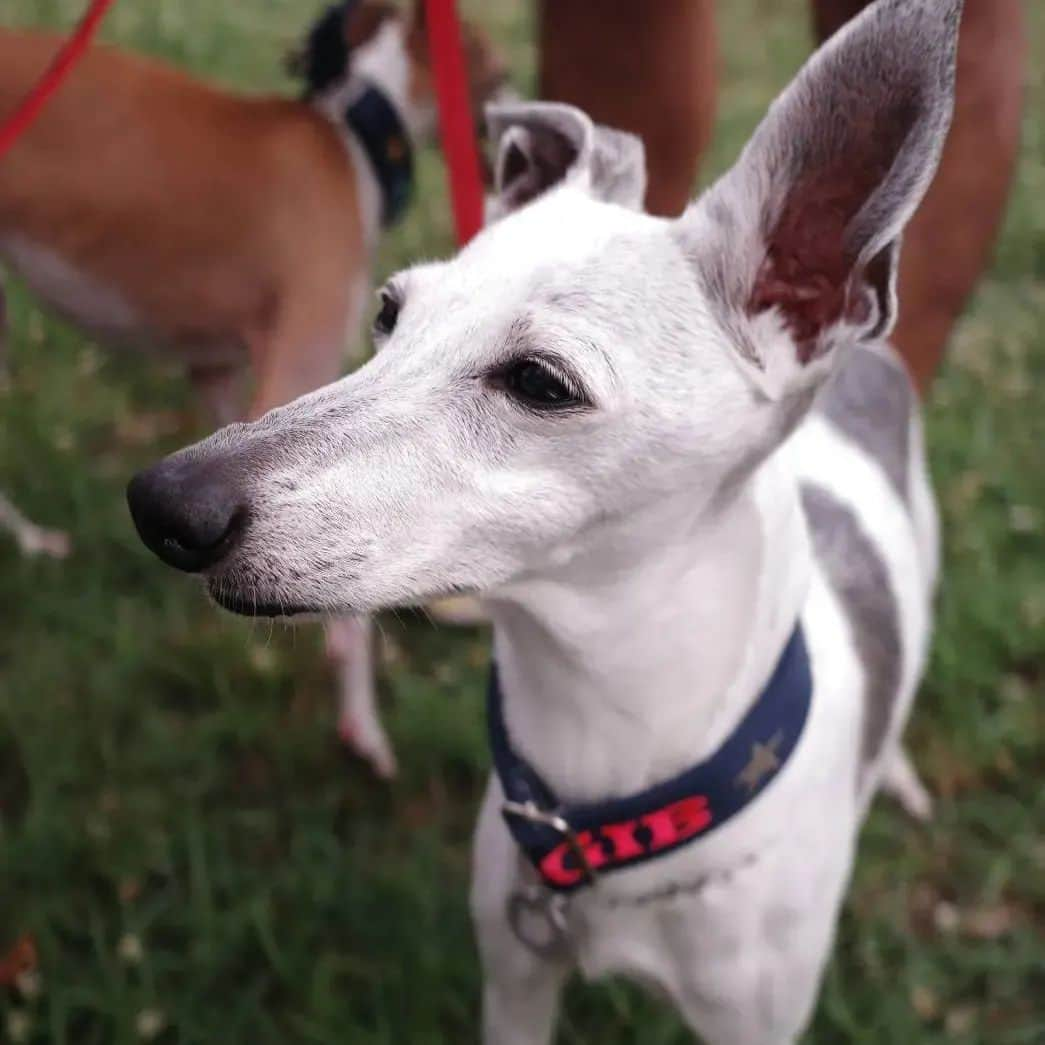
[619,844]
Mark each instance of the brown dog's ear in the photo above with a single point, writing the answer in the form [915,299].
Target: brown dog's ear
[801,237]
[364,18]
[323,59]
[540,145]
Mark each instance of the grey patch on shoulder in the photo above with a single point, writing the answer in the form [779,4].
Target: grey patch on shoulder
[870,399]
[860,579]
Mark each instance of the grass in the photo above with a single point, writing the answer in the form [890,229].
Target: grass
[197,861]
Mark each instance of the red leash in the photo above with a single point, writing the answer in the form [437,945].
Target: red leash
[455,117]
[54,76]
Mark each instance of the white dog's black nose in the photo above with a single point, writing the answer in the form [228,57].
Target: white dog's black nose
[190,512]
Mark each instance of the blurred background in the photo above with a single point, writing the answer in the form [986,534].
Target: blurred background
[196,858]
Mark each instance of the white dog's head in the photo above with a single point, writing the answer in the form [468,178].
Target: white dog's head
[579,359]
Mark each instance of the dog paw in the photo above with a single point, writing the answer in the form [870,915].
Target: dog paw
[916,802]
[34,540]
[374,749]
[30,538]
[902,783]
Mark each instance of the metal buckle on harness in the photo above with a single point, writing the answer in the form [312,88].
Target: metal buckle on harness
[538,918]
[536,914]
[533,814]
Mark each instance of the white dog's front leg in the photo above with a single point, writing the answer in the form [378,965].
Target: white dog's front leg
[520,987]
[350,644]
[520,1011]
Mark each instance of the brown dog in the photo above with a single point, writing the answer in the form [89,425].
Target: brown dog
[149,207]
[232,232]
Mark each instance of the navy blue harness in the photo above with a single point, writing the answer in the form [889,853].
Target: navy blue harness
[374,121]
[570,845]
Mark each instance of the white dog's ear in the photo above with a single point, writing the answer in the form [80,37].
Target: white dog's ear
[543,144]
[797,245]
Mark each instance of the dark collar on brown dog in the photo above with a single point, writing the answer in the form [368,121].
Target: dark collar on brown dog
[374,121]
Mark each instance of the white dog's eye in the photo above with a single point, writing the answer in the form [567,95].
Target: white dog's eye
[385,320]
[536,384]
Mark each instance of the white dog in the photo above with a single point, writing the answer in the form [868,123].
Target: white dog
[711,587]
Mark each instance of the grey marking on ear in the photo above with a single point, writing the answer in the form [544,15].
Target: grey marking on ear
[530,163]
[870,399]
[618,168]
[860,579]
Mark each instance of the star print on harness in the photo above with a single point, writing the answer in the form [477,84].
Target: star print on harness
[569,846]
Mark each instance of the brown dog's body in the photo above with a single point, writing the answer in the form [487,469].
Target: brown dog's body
[148,207]
[151,208]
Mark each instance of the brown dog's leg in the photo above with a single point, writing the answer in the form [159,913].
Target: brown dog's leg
[31,539]
[305,346]
[221,390]
[350,646]
[290,366]
[4,361]
[644,67]
[949,241]
[298,356]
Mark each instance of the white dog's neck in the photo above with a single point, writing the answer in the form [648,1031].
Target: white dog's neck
[635,663]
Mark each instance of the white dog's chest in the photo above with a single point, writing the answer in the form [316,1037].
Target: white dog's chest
[705,938]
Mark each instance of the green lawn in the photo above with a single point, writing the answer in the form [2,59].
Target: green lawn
[199,863]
